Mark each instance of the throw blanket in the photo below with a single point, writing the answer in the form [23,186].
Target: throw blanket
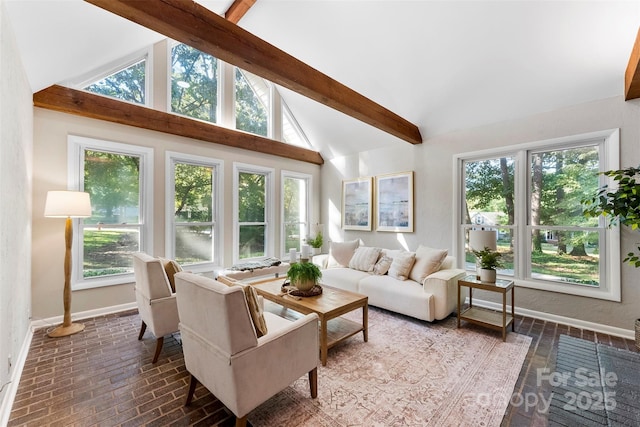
[255,265]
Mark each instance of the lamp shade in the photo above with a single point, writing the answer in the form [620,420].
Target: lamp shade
[479,239]
[67,204]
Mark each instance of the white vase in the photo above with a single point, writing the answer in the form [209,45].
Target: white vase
[315,251]
[488,275]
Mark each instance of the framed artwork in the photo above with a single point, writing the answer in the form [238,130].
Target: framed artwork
[394,202]
[356,204]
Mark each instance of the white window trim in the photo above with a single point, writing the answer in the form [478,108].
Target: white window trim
[113,67]
[171,158]
[76,145]
[609,288]
[297,175]
[269,202]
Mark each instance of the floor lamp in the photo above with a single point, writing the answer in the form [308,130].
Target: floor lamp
[67,204]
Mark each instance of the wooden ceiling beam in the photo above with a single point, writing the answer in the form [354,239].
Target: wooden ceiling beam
[72,101]
[238,9]
[632,73]
[196,26]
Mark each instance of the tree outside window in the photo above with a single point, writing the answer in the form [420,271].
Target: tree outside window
[252,192]
[127,84]
[294,211]
[251,108]
[194,83]
[112,233]
[193,213]
[562,245]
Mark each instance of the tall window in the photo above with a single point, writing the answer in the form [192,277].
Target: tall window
[532,196]
[119,181]
[253,200]
[295,209]
[252,103]
[128,84]
[193,209]
[194,83]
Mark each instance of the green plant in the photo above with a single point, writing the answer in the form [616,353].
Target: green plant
[620,205]
[303,272]
[315,242]
[488,258]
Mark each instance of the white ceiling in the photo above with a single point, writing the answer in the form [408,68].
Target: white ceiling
[443,65]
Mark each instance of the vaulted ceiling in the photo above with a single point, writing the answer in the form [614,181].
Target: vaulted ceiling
[442,65]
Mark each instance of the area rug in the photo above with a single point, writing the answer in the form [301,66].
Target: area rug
[410,373]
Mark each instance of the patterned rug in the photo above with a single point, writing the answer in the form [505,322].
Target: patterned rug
[410,373]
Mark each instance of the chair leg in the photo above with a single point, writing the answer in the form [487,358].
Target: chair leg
[313,382]
[241,422]
[193,382]
[142,329]
[159,343]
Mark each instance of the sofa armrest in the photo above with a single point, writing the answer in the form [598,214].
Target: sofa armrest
[443,285]
[320,260]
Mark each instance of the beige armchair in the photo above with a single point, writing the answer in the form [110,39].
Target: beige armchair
[223,353]
[156,303]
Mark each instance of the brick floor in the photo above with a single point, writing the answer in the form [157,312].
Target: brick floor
[103,376]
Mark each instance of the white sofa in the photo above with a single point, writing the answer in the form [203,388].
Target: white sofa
[432,299]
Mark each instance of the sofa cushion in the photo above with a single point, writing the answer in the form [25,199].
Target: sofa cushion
[401,265]
[255,310]
[343,278]
[340,253]
[428,261]
[364,258]
[406,297]
[171,268]
[382,266]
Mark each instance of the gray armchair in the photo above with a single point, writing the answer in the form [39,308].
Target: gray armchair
[156,303]
[223,353]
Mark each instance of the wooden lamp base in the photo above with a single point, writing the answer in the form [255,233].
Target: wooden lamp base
[63,331]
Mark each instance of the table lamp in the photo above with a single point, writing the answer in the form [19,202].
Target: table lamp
[480,239]
[67,204]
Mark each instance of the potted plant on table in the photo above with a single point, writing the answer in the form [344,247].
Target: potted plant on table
[304,275]
[621,206]
[489,261]
[316,242]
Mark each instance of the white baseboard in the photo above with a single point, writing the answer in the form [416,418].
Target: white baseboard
[51,321]
[582,324]
[12,390]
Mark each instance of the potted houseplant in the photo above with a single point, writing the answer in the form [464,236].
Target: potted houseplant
[620,205]
[489,260]
[316,242]
[304,275]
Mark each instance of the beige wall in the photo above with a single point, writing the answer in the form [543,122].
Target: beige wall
[50,173]
[16,124]
[432,162]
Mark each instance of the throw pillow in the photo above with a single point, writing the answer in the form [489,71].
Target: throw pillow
[340,253]
[171,268]
[401,265]
[382,266]
[364,258]
[251,297]
[428,260]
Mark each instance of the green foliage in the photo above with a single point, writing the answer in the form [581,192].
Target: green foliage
[303,271]
[489,259]
[194,83]
[193,193]
[128,84]
[620,205]
[317,241]
[251,114]
[113,180]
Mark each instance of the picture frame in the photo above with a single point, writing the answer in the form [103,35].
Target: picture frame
[394,202]
[357,204]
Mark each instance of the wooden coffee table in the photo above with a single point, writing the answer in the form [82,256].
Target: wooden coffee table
[329,306]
